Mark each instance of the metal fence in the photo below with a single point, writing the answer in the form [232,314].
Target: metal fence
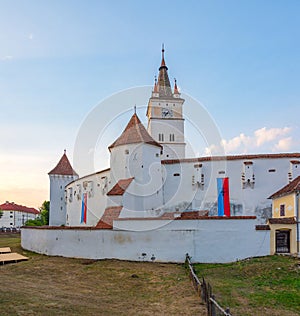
[204,291]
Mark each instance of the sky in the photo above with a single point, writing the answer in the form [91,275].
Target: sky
[60,59]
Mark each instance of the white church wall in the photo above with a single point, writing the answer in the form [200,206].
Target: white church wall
[270,174]
[206,241]
[119,162]
[95,186]
[144,165]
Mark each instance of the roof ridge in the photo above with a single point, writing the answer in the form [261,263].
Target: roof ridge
[231,157]
[11,206]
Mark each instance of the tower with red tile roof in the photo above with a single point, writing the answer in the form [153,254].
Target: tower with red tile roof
[61,175]
[135,160]
[165,117]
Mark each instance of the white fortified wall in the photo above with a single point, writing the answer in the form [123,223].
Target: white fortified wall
[205,240]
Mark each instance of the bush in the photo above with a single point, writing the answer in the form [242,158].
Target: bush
[34,222]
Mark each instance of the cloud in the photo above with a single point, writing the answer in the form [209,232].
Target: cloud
[30,36]
[8,57]
[284,144]
[262,140]
[265,135]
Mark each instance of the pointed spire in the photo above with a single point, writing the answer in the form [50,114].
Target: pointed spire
[63,167]
[163,63]
[176,91]
[164,87]
[133,133]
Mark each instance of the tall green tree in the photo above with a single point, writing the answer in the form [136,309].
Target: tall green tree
[44,209]
[43,218]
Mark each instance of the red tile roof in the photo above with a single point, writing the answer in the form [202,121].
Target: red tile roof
[289,188]
[134,132]
[193,215]
[262,227]
[295,162]
[11,206]
[231,157]
[110,214]
[63,167]
[283,220]
[184,215]
[176,91]
[120,187]
[200,217]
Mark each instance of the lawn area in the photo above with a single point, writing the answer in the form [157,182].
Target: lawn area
[258,286]
[64,286]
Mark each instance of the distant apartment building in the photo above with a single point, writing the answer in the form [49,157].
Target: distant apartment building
[15,215]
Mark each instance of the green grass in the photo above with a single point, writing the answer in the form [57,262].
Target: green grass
[259,286]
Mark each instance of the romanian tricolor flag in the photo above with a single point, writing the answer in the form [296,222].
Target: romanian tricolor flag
[83,208]
[223,197]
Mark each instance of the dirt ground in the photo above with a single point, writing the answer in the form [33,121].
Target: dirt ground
[62,286]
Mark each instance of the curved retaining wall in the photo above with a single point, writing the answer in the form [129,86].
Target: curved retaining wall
[204,240]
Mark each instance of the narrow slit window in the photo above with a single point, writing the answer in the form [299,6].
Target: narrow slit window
[282,210]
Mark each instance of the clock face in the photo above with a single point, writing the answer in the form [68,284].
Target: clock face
[166,113]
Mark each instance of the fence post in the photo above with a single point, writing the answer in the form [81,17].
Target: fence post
[213,307]
[204,291]
[208,299]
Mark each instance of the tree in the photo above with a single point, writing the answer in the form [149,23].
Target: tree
[43,218]
[1,213]
[44,212]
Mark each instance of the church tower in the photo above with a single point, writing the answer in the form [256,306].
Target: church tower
[135,160]
[165,119]
[59,177]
